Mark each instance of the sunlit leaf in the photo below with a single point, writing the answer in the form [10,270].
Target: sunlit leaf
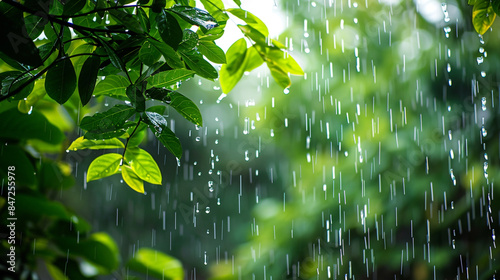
[238,2]
[213,52]
[179,102]
[143,165]
[253,59]
[168,78]
[170,31]
[251,20]
[113,85]
[255,35]
[196,62]
[284,61]
[132,179]
[139,135]
[216,9]
[195,16]
[60,81]
[109,120]
[158,125]
[80,144]
[279,75]
[15,125]
[104,166]
[87,78]
[156,264]
[189,40]
[483,16]
[232,72]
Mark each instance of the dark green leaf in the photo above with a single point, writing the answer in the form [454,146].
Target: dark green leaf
[86,21]
[149,54]
[12,80]
[34,25]
[495,4]
[213,52]
[143,19]
[158,125]
[60,81]
[87,78]
[25,171]
[158,5]
[156,264]
[115,59]
[179,102]
[160,109]
[113,85]
[189,40]
[279,75]
[169,78]
[149,71]
[72,7]
[195,16]
[52,176]
[170,31]
[232,72]
[169,54]
[202,67]
[251,20]
[129,21]
[483,16]
[134,93]
[110,120]
[15,125]
[32,206]
[16,43]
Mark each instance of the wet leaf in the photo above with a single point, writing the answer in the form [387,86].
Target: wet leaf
[34,25]
[15,125]
[143,164]
[132,179]
[253,59]
[169,78]
[483,16]
[158,125]
[279,75]
[139,135]
[169,28]
[171,57]
[189,40]
[104,166]
[255,35]
[72,7]
[284,61]
[136,97]
[80,144]
[251,20]
[131,22]
[232,72]
[113,85]
[213,52]
[143,19]
[60,81]
[195,16]
[156,264]
[12,80]
[109,120]
[216,9]
[87,78]
[179,102]
[196,62]
[113,56]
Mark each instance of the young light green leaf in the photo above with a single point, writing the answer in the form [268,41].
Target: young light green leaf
[202,67]
[156,264]
[216,9]
[137,138]
[179,102]
[113,86]
[171,57]
[195,16]
[279,75]
[168,78]
[232,72]
[255,35]
[237,2]
[110,120]
[483,16]
[284,61]
[253,59]
[158,125]
[169,28]
[129,21]
[104,166]
[132,179]
[213,52]
[143,164]
[87,78]
[60,81]
[251,20]
[80,144]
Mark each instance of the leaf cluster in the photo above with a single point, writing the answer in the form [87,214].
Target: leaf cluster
[484,13]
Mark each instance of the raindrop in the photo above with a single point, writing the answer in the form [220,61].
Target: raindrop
[207,210]
[286,91]
[483,103]
[480,60]
[484,133]
[198,139]
[483,74]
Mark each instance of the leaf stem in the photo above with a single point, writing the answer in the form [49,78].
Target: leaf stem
[128,139]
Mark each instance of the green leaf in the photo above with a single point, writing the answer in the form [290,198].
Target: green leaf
[149,71]
[12,80]
[232,72]
[14,155]
[483,16]
[80,144]
[15,125]
[32,206]
[134,93]
[496,6]
[169,28]
[54,176]
[72,7]
[148,54]
[213,52]
[189,40]
[137,138]
[202,67]
[195,16]
[169,78]
[100,135]
[158,5]
[113,86]
[60,81]
[179,102]
[87,78]
[284,61]
[156,264]
[132,179]
[34,25]
[129,21]
[279,75]
[171,57]
[110,120]
[113,56]
[158,125]
[143,164]
[16,42]
[251,20]
[255,35]
[104,166]
[471,2]
[252,59]
[143,19]
[238,2]
[216,9]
